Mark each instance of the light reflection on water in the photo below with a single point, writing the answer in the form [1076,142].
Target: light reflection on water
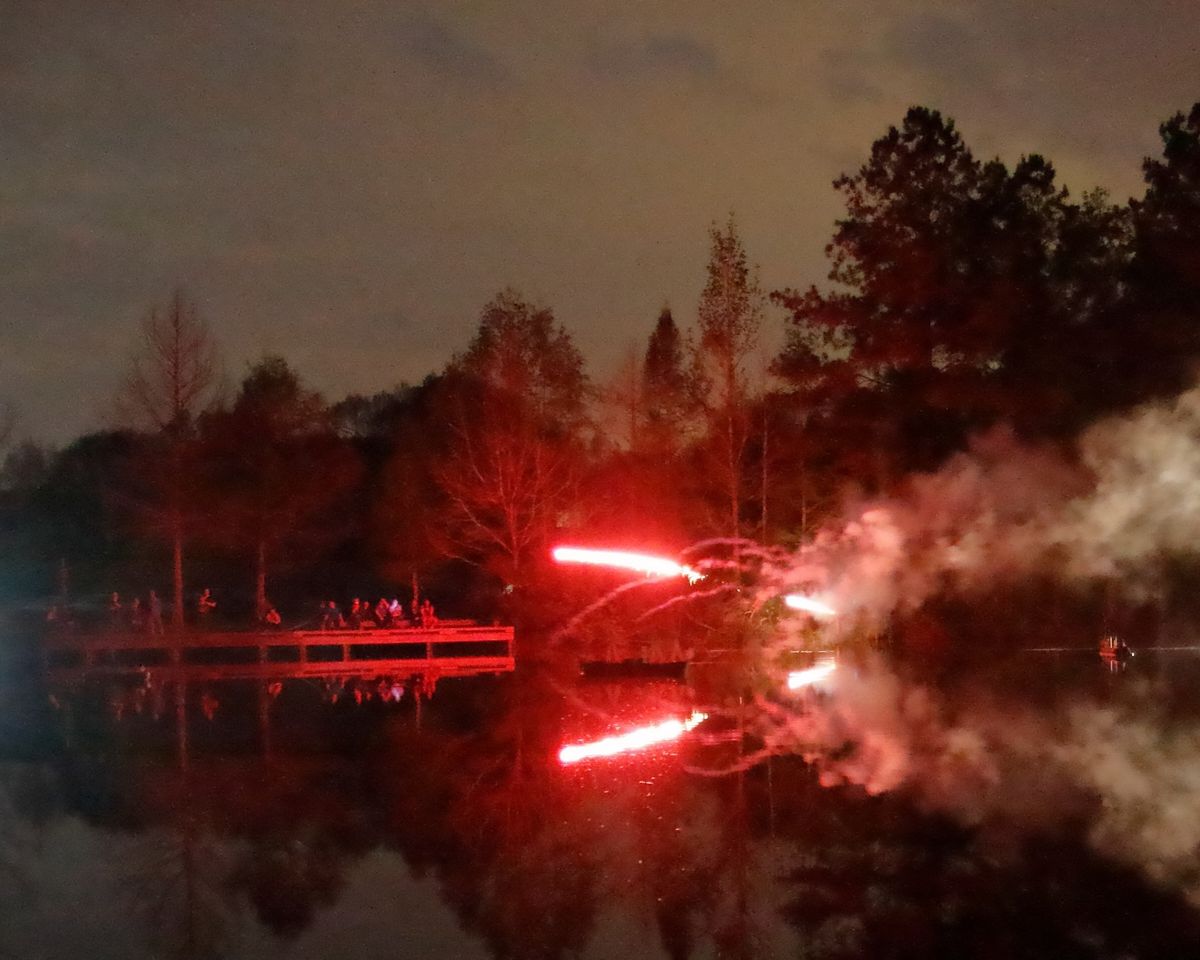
[465,838]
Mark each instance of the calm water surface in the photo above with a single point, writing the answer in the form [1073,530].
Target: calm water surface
[353,830]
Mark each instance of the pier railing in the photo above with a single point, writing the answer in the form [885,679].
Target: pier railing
[446,650]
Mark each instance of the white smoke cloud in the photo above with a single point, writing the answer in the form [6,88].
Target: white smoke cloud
[1115,506]
[1144,504]
[1147,775]
[1133,777]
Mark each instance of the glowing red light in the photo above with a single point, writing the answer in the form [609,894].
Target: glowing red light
[798,601]
[806,678]
[623,560]
[638,739]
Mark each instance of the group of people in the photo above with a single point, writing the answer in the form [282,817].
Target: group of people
[385,614]
[135,615]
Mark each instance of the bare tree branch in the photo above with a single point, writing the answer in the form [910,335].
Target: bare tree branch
[175,371]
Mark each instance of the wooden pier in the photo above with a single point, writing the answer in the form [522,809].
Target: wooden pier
[454,649]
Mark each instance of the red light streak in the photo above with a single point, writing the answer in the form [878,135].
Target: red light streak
[798,601]
[638,739]
[806,678]
[623,560]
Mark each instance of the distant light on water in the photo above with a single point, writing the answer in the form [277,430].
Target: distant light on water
[806,678]
[818,608]
[624,560]
[638,739]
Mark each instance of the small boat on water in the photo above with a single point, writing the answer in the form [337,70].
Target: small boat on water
[1114,650]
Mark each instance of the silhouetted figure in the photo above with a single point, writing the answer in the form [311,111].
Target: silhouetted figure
[205,605]
[331,616]
[154,621]
[428,617]
[356,614]
[135,614]
[396,612]
[114,610]
[383,614]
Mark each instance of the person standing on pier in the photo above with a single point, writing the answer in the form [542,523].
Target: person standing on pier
[204,606]
[114,610]
[272,619]
[154,621]
[331,616]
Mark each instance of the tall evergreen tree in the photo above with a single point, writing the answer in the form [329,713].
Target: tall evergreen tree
[669,388]
[1166,268]
[964,294]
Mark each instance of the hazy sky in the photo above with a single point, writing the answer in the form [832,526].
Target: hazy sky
[347,183]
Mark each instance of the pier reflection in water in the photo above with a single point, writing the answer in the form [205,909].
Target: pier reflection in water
[362,833]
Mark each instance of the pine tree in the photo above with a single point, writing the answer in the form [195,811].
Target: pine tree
[669,391]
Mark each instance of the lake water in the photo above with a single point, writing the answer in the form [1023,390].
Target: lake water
[1045,809]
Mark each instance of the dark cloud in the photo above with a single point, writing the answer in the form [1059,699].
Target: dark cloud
[937,41]
[659,56]
[449,53]
[846,75]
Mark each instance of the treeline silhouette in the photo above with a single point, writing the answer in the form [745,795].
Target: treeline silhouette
[962,294]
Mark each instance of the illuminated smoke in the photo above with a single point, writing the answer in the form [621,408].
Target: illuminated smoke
[1117,506]
[1144,504]
[638,739]
[1126,771]
[650,565]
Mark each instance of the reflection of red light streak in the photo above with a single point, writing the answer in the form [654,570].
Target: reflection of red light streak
[623,560]
[804,678]
[637,739]
[798,601]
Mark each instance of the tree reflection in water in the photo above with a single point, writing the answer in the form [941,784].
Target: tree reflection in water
[537,860]
[175,879]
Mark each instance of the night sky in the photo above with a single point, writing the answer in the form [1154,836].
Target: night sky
[347,183]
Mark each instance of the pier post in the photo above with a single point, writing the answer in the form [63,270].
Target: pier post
[264,717]
[181,732]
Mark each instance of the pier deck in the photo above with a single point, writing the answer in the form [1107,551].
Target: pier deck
[447,650]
